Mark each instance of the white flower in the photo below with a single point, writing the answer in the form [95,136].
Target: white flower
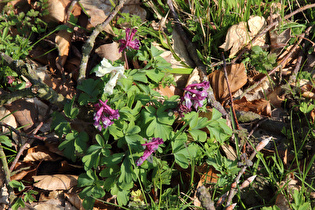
[116,73]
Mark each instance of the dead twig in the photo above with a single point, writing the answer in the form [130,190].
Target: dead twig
[230,93]
[39,88]
[89,44]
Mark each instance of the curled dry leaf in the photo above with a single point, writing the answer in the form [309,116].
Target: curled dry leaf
[276,97]
[238,35]
[55,182]
[75,200]
[63,40]
[237,78]
[40,153]
[259,106]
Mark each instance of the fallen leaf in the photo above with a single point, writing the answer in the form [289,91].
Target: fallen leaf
[40,153]
[259,106]
[62,40]
[57,11]
[75,200]
[7,118]
[109,51]
[132,7]
[237,78]
[276,97]
[208,174]
[238,35]
[55,182]
[24,112]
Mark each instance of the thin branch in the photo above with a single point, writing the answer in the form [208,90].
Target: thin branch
[230,93]
[89,44]
[39,88]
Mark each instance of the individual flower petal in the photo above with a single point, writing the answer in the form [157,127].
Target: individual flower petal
[10,79]
[104,114]
[128,42]
[151,147]
[106,68]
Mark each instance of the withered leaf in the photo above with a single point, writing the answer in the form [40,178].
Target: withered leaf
[238,35]
[55,182]
[237,78]
[40,153]
[259,106]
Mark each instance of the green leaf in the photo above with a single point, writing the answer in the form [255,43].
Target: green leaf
[86,179]
[163,117]
[70,111]
[92,158]
[60,124]
[5,140]
[181,160]
[18,203]
[91,89]
[112,160]
[156,130]
[198,135]
[75,142]
[155,51]
[88,202]
[155,75]
[123,197]
[16,184]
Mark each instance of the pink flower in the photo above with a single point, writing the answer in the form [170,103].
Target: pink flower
[128,42]
[10,79]
[104,114]
[195,95]
[151,147]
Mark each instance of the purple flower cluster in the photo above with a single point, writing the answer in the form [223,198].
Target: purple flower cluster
[104,114]
[195,95]
[151,147]
[128,42]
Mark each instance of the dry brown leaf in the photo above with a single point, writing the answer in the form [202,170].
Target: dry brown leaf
[48,206]
[24,112]
[40,153]
[57,11]
[259,106]
[62,40]
[55,182]
[75,200]
[7,118]
[109,51]
[131,7]
[237,78]
[238,35]
[208,174]
[276,97]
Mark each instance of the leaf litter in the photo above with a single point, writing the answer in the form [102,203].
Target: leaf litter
[264,100]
